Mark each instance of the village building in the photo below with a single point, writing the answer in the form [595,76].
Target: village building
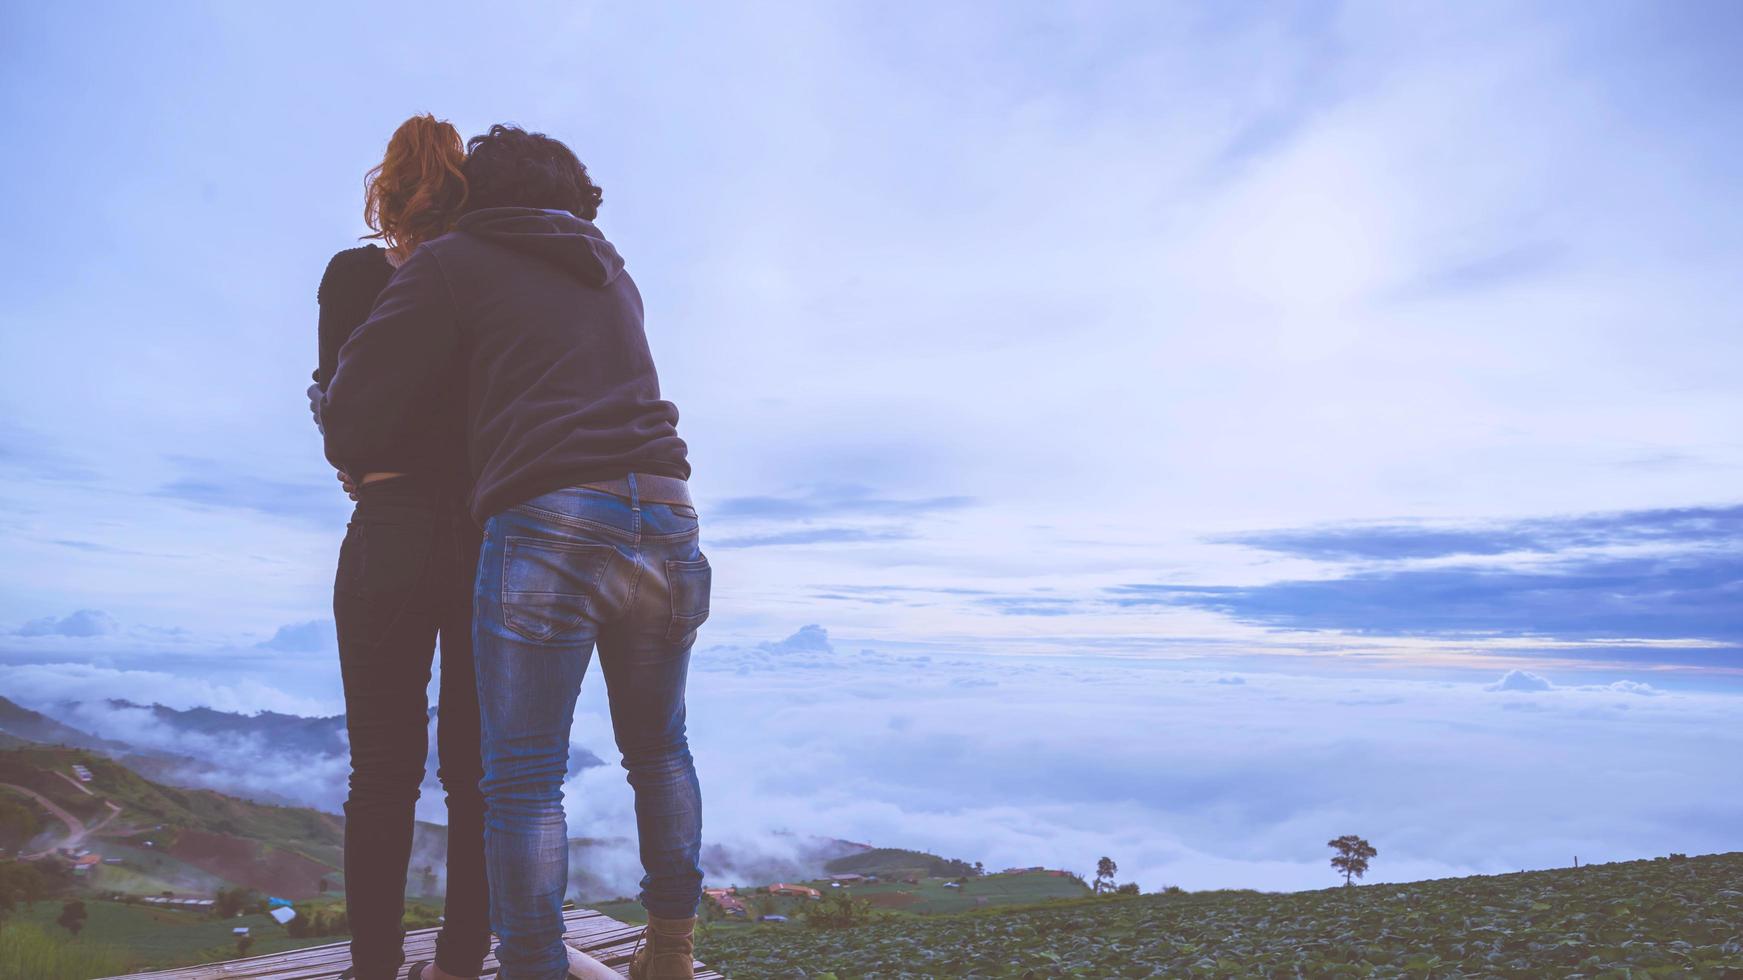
[800,891]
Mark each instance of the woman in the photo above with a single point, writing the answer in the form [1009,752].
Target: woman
[405,578]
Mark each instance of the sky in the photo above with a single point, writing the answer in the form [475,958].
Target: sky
[1377,355]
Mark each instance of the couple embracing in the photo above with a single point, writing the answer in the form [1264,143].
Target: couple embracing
[486,392]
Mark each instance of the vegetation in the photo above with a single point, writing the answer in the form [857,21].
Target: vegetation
[231,902]
[839,910]
[72,917]
[27,951]
[1633,919]
[24,883]
[153,937]
[884,861]
[310,832]
[1105,869]
[327,918]
[1352,856]
[18,822]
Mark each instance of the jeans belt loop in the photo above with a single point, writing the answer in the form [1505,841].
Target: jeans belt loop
[635,500]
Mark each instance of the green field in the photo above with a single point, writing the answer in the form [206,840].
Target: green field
[931,896]
[1681,918]
[147,871]
[927,896]
[149,937]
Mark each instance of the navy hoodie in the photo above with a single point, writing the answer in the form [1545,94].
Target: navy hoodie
[525,321]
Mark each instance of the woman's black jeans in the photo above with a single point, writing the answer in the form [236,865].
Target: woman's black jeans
[405,577]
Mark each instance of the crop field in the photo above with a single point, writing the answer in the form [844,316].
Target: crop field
[150,937]
[1632,919]
[148,871]
[931,897]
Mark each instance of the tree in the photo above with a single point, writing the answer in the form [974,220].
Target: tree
[72,917]
[1352,856]
[1129,888]
[18,824]
[20,882]
[837,910]
[1105,869]
[979,869]
[231,902]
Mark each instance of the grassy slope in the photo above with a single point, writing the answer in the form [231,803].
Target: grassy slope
[888,861]
[1632,919]
[147,937]
[145,803]
[931,897]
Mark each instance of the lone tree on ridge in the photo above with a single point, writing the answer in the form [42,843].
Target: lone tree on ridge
[1105,869]
[1352,856]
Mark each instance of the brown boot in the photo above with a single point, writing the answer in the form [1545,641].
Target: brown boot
[666,950]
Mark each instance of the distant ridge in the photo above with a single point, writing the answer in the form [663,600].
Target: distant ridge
[34,726]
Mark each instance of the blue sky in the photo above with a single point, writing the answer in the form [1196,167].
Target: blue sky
[1358,340]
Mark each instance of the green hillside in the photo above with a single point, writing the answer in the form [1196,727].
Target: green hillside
[1631,919]
[896,861]
[146,804]
[142,938]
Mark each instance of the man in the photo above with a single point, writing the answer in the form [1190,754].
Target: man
[579,479]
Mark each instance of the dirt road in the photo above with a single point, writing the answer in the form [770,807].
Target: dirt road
[76,829]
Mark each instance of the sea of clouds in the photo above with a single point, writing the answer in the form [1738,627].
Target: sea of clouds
[1192,773]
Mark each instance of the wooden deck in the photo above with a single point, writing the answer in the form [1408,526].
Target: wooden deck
[605,939]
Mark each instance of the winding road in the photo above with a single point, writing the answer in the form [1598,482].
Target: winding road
[76,829]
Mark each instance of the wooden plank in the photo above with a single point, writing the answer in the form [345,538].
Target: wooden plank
[603,938]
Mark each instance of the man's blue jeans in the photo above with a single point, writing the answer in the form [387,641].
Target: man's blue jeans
[558,574]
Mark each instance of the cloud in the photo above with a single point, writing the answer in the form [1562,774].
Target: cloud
[82,623]
[807,639]
[1031,605]
[49,683]
[1706,526]
[1520,680]
[804,536]
[1689,595]
[994,758]
[210,483]
[34,455]
[94,547]
[306,637]
[1509,265]
[832,500]
[851,514]
[1353,247]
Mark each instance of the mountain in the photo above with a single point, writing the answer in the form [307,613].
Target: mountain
[267,756]
[33,726]
[295,733]
[895,862]
[154,838]
[170,838]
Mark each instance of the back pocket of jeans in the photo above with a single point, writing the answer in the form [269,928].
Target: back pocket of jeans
[548,586]
[689,582]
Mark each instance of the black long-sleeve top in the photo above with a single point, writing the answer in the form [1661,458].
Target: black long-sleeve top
[354,278]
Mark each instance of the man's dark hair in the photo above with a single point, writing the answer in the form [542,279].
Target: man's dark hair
[509,167]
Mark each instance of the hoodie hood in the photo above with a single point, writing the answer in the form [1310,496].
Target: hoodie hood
[573,244]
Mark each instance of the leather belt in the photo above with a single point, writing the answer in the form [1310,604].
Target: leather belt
[649,487]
